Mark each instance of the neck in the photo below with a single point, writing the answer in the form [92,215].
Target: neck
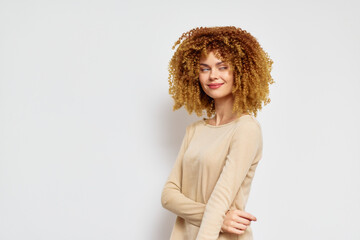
[223,110]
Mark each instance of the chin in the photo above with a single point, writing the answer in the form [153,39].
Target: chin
[215,97]
[219,96]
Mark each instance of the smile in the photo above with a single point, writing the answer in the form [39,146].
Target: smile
[215,85]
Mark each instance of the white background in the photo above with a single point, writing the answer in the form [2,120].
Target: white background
[88,136]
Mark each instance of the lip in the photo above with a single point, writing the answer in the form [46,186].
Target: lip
[215,85]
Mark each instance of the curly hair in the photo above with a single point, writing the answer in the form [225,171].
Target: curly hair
[251,66]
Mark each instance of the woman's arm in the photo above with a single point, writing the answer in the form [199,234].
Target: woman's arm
[246,143]
[172,198]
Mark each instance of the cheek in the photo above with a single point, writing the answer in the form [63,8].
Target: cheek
[202,80]
[202,86]
[230,78]
[230,81]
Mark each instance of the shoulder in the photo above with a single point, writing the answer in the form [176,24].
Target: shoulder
[248,120]
[193,125]
[248,125]
[190,129]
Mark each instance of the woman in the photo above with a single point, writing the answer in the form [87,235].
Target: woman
[225,72]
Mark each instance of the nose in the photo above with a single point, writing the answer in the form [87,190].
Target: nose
[214,74]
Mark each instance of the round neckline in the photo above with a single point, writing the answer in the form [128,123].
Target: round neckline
[225,124]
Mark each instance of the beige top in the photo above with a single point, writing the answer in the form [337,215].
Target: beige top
[212,174]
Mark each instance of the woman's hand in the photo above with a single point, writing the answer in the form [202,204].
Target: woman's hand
[237,221]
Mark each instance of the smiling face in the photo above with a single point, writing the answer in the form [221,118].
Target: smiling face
[216,77]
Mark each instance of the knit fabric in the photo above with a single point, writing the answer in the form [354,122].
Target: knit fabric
[212,174]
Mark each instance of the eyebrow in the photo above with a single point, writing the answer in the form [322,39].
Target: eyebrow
[219,63]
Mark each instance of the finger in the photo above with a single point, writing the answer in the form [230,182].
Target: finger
[235,231]
[242,220]
[239,226]
[246,215]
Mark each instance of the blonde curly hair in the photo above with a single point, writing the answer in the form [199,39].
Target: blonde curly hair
[251,66]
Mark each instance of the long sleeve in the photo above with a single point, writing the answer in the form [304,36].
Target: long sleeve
[172,198]
[244,147]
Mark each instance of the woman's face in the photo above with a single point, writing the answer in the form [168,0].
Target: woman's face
[216,77]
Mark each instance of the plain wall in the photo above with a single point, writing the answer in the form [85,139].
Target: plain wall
[88,136]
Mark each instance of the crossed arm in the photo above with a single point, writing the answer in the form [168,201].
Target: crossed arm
[172,197]
[211,217]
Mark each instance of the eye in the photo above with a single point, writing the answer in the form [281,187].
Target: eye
[223,68]
[204,69]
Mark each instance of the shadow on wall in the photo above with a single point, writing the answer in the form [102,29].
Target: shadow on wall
[173,125]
